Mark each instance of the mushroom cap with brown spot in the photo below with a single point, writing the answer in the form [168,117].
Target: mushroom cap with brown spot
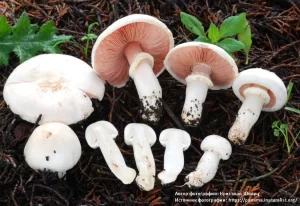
[56,86]
[263,79]
[181,58]
[108,59]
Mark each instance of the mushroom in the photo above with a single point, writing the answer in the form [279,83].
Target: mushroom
[135,46]
[142,137]
[200,66]
[52,146]
[176,141]
[56,86]
[259,90]
[102,134]
[215,148]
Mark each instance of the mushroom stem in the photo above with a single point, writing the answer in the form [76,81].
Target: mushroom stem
[198,84]
[248,114]
[146,83]
[173,160]
[114,158]
[145,163]
[205,171]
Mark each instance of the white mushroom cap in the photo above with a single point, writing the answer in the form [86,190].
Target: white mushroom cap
[183,57]
[55,85]
[141,129]
[52,146]
[266,80]
[168,134]
[109,130]
[218,144]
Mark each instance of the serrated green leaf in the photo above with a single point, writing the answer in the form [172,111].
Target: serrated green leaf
[23,40]
[230,45]
[246,39]
[5,28]
[202,39]
[192,24]
[213,33]
[233,25]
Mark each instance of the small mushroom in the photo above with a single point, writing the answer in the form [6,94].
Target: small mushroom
[176,141]
[200,66]
[142,137]
[135,46]
[56,86]
[102,134]
[52,146]
[215,148]
[260,90]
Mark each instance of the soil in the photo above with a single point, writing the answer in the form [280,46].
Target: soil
[261,165]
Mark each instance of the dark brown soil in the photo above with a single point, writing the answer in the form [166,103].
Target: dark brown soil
[261,165]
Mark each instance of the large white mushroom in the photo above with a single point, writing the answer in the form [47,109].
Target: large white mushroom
[56,86]
[260,90]
[52,146]
[215,148]
[201,66]
[142,137]
[102,134]
[135,46]
[176,141]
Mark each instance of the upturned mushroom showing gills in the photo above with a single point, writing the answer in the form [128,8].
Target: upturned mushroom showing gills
[102,134]
[176,141]
[142,137]
[56,86]
[135,46]
[215,148]
[259,90]
[52,146]
[200,66]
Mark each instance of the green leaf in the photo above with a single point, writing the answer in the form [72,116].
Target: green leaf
[283,127]
[292,109]
[233,25]
[5,28]
[276,132]
[290,88]
[275,124]
[24,40]
[202,39]
[213,33]
[192,24]
[91,26]
[231,45]
[246,39]
[89,36]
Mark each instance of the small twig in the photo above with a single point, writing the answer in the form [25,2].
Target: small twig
[172,115]
[283,48]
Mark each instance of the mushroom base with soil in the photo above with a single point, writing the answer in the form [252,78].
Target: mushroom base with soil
[248,114]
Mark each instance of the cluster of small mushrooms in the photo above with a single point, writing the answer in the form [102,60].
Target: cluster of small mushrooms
[58,88]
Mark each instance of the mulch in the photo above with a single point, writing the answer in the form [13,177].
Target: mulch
[261,165]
